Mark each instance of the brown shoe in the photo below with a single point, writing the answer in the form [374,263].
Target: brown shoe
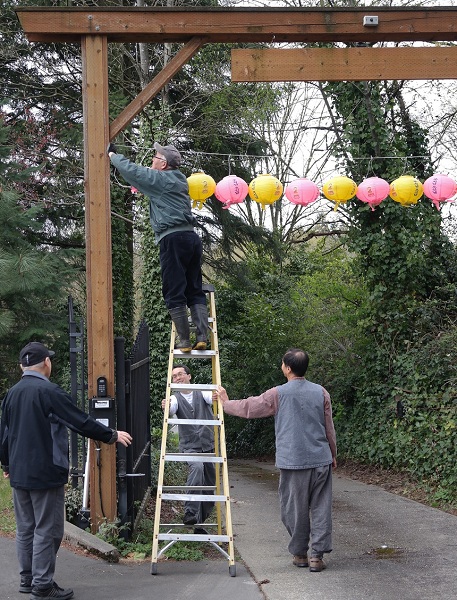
[300,561]
[316,564]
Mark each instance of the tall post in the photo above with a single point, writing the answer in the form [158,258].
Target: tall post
[100,336]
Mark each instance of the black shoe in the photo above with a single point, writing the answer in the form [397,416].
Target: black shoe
[200,531]
[25,586]
[190,519]
[52,593]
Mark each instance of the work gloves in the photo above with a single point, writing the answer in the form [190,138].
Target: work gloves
[111,148]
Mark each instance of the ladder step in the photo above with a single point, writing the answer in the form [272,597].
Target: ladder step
[181,525]
[205,457]
[183,488]
[194,422]
[196,497]
[210,320]
[209,387]
[195,353]
[192,537]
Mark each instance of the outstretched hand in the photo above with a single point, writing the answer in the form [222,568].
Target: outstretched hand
[222,394]
[124,438]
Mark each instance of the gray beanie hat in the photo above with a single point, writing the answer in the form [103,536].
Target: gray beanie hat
[171,154]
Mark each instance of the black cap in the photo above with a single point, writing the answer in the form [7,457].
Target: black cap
[34,353]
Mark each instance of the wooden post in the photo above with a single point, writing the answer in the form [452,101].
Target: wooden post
[100,336]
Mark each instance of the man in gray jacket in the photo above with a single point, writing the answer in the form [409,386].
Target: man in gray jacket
[180,247]
[189,404]
[305,454]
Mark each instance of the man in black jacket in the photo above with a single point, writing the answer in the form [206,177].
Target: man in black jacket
[34,456]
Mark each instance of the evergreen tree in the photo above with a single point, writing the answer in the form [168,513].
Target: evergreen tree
[34,277]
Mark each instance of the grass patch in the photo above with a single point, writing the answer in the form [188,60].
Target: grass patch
[7,519]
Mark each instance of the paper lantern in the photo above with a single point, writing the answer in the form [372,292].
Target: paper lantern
[265,189]
[201,187]
[231,190]
[406,190]
[439,188]
[339,189]
[373,191]
[302,191]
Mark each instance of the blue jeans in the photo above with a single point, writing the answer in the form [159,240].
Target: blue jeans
[180,262]
[39,532]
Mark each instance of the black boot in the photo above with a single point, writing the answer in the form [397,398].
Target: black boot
[199,314]
[181,321]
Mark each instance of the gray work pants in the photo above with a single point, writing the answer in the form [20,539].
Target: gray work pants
[39,532]
[306,509]
[200,473]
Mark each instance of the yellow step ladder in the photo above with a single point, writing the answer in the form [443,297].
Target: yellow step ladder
[219,532]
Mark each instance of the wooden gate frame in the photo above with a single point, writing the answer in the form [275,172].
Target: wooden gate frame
[94,28]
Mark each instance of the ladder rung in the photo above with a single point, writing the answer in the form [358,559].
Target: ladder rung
[195,353]
[194,422]
[193,386]
[194,457]
[192,537]
[196,497]
[168,488]
[183,488]
[181,525]
[210,320]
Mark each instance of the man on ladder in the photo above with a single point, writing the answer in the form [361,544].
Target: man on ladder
[188,404]
[180,246]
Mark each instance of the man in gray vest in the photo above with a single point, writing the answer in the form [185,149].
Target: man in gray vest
[305,454]
[194,438]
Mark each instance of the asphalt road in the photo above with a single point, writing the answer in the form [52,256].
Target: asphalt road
[385,547]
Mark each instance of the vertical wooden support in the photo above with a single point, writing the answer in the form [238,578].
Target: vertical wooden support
[100,336]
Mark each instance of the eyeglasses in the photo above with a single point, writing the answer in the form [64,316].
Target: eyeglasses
[179,374]
[160,158]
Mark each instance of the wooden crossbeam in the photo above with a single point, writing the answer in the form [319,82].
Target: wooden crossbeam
[154,87]
[344,64]
[159,25]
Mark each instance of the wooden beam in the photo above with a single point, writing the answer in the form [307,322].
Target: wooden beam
[154,87]
[268,25]
[100,336]
[344,64]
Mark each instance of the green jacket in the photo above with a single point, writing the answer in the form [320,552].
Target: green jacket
[168,193]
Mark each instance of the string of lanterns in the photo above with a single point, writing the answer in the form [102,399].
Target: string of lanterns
[267,189]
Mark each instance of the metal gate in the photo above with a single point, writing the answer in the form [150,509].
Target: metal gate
[133,415]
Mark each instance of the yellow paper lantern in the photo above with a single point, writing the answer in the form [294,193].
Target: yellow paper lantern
[339,189]
[406,190]
[201,187]
[265,189]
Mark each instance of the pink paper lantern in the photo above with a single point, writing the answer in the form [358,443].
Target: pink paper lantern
[302,191]
[439,188]
[373,191]
[231,190]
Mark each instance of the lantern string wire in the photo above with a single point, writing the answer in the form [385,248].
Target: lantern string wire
[197,154]
[369,168]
